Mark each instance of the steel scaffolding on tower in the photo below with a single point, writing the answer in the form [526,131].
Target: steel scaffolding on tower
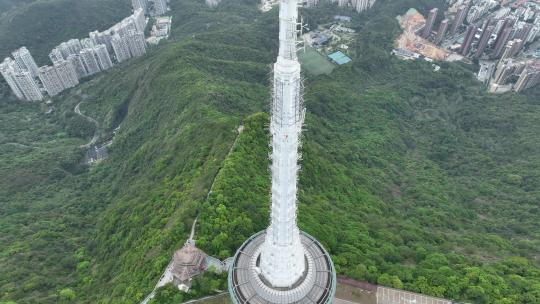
[282,264]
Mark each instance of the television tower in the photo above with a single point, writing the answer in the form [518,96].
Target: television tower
[283,265]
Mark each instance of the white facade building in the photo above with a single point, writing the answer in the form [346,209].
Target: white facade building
[102,38]
[75,46]
[160,7]
[55,55]
[87,43]
[140,20]
[121,49]
[90,62]
[25,61]
[28,86]
[140,4]
[102,56]
[78,64]
[50,80]
[136,43]
[67,74]
[7,69]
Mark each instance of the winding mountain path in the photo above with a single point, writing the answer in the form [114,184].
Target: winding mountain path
[90,119]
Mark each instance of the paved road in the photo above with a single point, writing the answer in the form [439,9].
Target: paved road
[90,119]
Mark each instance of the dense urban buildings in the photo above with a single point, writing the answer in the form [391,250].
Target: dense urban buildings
[282,264]
[75,59]
[502,36]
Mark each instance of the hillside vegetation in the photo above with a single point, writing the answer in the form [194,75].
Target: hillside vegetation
[7,5]
[410,178]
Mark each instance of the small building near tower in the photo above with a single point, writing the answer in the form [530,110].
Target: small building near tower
[188,262]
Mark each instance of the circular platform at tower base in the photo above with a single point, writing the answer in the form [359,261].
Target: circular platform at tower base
[246,286]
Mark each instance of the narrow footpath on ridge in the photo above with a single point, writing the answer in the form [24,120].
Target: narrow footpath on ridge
[166,277]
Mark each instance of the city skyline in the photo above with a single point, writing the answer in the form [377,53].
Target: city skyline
[75,59]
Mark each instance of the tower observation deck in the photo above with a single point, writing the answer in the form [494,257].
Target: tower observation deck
[283,265]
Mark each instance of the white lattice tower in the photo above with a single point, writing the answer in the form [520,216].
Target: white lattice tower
[282,257]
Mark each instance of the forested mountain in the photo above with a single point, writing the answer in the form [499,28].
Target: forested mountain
[411,178]
[7,5]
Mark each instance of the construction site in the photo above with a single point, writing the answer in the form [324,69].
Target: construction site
[411,23]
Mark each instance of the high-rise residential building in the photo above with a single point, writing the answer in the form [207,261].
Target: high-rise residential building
[459,18]
[65,49]
[140,20]
[78,64]
[8,69]
[126,26]
[75,46]
[523,31]
[67,74]
[50,80]
[467,42]
[359,5]
[55,55]
[443,27]
[28,86]
[140,4]
[25,61]
[505,69]
[160,7]
[480,8]
[511,48]
[87,43]
[484,39]
[499,27]
[501,42]
[120,47]
[282,264]
[102,38]
[429,23]
[90,62]
[136,43]
[529,77]
[533,33]
[95,36]
[102,56]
